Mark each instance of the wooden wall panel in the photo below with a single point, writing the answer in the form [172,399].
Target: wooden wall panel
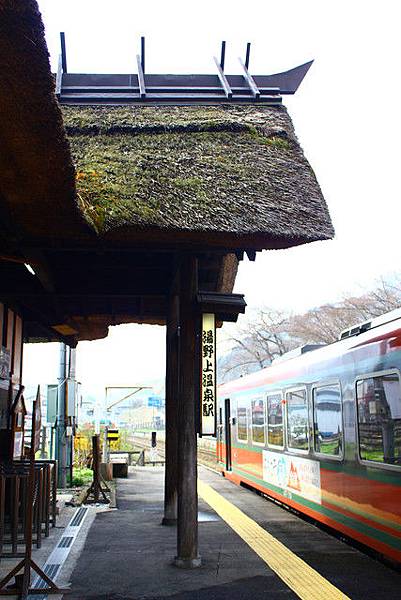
[10,330]
[1,323]
[16,368]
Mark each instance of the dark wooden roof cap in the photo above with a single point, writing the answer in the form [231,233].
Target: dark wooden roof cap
[226,307]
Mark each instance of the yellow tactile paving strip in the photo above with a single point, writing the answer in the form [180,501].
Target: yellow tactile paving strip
[297,574]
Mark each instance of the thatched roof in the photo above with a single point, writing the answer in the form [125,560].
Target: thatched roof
[36,172]
[227,175]
[231,176]
[99,199]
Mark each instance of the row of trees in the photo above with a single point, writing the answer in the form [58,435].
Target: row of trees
[268,333]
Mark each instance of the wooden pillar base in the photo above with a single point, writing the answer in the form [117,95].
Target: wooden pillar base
[169,522]
[188,563]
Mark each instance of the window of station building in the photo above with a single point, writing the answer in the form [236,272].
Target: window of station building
[379,418]
[242,423]
[258,421]
[297,420]
[327,420]
[275,421]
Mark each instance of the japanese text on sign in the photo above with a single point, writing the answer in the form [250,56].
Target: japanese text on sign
[208,375]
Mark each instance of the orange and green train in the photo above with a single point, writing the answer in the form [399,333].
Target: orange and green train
[321,431]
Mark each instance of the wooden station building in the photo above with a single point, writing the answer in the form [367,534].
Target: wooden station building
[132,198]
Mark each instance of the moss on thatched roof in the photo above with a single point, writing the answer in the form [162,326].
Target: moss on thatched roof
[229,170]
[225,175]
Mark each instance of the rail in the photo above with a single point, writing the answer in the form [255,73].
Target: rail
[206,456]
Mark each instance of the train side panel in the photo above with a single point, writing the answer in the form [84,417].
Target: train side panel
[351,492]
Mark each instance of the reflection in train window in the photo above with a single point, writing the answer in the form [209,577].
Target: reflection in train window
[327,420]
[242,423]
[275,420]
[379,418]
[297,420]
[258,421]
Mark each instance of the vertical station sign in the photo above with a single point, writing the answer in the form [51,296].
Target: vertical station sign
[208,375]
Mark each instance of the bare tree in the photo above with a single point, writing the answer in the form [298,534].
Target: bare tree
[321,325]
[269,333]
[325,323]
[257,342]
[384,298]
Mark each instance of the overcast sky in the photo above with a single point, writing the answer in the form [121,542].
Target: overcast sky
[346,115]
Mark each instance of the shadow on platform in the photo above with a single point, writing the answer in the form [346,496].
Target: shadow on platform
[128,554]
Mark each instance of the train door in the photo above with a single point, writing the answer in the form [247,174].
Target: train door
[227,429]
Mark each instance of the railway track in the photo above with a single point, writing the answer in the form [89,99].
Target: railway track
[206,457]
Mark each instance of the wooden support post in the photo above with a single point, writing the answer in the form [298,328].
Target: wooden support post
[187,517]
[171,449]
[15,513]
[2,510]
[96,467]
[96,488]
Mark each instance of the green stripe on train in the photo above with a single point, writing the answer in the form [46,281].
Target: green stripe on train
[373,473]
[367,530]
[352,509]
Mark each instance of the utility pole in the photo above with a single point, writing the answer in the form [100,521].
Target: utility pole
[73,388]
[61,424]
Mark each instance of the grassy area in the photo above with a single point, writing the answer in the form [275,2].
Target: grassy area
[81,477]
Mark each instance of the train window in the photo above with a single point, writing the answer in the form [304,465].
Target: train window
[275,421]
[379,418]
[258,421]
[242,424]
[327,420]
[297,420]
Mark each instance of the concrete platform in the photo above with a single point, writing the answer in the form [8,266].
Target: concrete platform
[128,555]
[49,545]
